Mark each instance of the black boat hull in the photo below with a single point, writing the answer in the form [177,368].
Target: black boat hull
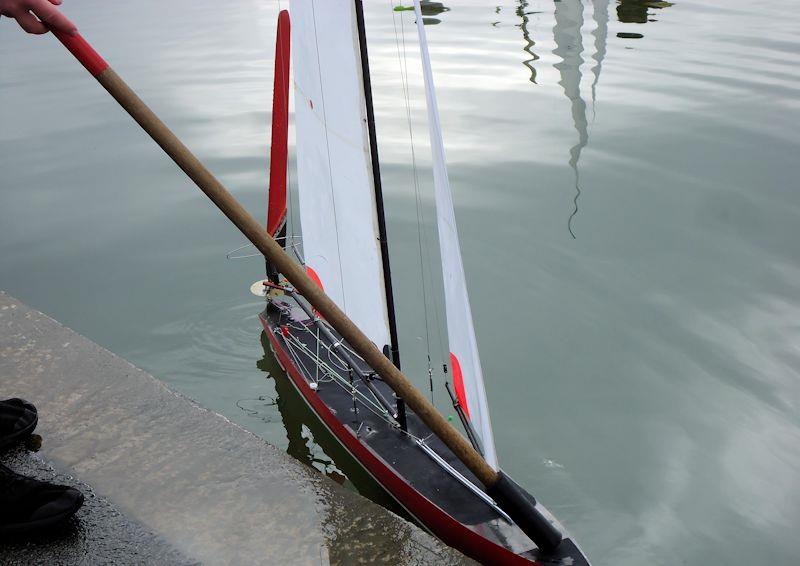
[411,478]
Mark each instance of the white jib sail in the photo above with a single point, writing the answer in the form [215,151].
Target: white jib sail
[337,200]
[465,363]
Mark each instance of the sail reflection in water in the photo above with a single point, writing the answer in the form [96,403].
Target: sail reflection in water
[569,49]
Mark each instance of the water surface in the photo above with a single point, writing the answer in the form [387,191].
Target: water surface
[625,184]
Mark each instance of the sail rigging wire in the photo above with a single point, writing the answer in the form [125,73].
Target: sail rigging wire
[333,376]
[316,366]
[294,344]
[415,177]
[292,243]
[437,306]
[422,234]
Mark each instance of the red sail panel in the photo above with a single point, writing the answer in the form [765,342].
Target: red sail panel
[458,382]
[314,277]
[276,206]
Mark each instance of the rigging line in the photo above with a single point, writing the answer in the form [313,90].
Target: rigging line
[317,365]
[333,375]
[298,362]
[292,342]
[421,211]
[417,197]
[346,367]
[335,358]
[336,378]
[353,365]
[328,152]
[378,411]
[425,234]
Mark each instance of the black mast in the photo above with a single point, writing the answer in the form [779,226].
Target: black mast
[376,176]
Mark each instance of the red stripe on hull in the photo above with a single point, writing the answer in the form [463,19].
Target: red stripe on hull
[425,511]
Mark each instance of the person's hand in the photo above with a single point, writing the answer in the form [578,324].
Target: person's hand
[32,15]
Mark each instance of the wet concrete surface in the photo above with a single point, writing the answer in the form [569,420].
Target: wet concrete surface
[168,481]
[99,533]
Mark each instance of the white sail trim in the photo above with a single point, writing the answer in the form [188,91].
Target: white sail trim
[338,212]
[460,328]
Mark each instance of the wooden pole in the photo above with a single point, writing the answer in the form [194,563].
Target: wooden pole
[293,272]
[509,496]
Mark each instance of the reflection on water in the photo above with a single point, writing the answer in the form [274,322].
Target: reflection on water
[568,38]
[569,47]
[429,8]
[522,12]
[638,11]
[600,33]
[674,423]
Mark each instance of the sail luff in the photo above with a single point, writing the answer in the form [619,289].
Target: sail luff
[465,360]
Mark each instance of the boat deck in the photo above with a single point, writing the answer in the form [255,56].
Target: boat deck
[347,397]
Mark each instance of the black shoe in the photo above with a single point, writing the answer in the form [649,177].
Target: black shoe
[27,504]
[18,418]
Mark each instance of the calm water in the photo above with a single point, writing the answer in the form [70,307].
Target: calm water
[625,182]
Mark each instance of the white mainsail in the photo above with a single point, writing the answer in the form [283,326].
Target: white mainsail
[338,214]
[465,363]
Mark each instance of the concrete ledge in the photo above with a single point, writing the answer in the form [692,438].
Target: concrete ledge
[100,534]
[186,483]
